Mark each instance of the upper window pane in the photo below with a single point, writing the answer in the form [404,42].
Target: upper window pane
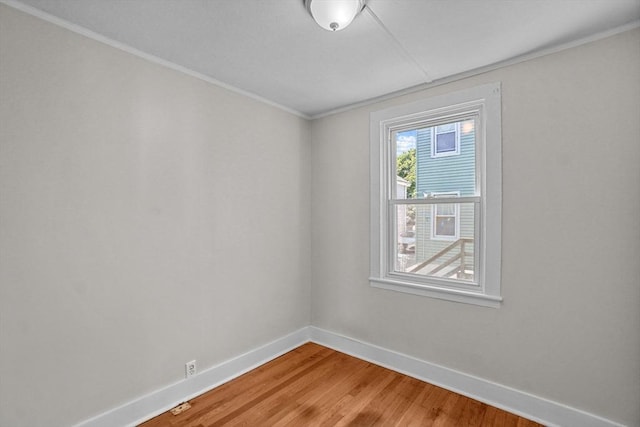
[428,175]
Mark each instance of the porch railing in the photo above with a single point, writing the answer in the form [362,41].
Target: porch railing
[456,251]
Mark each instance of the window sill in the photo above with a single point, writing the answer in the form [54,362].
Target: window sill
[447,294]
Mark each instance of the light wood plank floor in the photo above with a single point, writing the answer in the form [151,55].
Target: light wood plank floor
[316,386]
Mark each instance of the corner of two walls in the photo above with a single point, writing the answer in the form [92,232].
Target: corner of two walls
[148,219]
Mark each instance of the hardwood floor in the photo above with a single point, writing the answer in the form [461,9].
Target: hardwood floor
[316,386]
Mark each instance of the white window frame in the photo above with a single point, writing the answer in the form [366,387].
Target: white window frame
[434,145]
[456,216]
[484,102]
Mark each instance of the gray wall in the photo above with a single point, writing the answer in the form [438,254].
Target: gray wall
[568,328]
[147,219]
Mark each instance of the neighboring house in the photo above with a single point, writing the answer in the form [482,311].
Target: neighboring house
[445,167]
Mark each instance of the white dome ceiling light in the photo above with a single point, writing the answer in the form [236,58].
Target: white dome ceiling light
[334,15]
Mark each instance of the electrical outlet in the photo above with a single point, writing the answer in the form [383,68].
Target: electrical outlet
[190,369]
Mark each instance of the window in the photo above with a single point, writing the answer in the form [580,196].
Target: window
[445,224]
[446,140]
[442,237]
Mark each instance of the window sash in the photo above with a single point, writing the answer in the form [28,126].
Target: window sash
[392,239]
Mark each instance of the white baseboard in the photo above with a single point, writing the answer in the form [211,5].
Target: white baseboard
[155,403]
[518,402]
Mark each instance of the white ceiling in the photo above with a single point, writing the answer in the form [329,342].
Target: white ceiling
[274,50]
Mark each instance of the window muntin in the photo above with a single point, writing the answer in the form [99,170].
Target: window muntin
[466,268]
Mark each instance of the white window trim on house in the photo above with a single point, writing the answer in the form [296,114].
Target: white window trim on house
[434,143]
[456,216]
[485,103]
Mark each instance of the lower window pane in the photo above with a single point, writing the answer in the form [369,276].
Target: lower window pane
[419,251]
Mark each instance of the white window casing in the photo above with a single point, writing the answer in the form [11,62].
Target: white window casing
[483,103]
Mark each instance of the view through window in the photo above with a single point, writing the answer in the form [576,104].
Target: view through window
[435,238]
[436,182]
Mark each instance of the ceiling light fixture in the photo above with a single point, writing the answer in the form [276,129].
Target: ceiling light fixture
[334,15]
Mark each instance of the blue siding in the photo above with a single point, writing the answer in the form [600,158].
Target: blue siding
[454,173]
[444,174]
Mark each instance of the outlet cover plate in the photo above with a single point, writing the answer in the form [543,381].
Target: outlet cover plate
[190,369]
